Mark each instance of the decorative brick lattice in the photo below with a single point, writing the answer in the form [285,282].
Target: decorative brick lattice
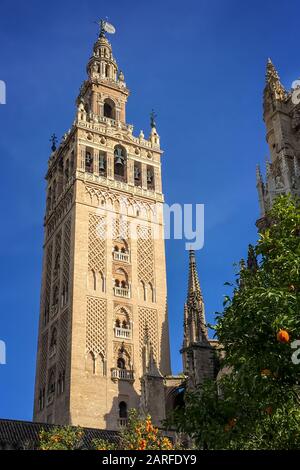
[67,249]
[145,254]
[120,229]
[97,245]
[96,326]
[63,339]
[43,358]
[148,324]
[61,210]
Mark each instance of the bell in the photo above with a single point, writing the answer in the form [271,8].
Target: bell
[136,174]
[119,157]
[101,163]
[119,160]
[149,177]
[88,158]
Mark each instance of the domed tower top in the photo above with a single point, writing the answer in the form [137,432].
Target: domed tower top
[102,65]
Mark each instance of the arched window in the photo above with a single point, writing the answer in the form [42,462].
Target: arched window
[137,174]
[57,264]
[150,177]
[109,109]
[120,163]
[92,280]
[151,292]
[88,162]
[142,290]
[121,363]
[51,384]
[42,399]
[101,282]
[122,410]
[65,294]
[90,363]
[55,297]
[53,341]
[101,365]
[102,164]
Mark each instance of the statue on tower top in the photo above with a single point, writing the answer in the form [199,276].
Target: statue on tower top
[106,27]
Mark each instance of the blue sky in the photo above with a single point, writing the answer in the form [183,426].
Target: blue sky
[201,65]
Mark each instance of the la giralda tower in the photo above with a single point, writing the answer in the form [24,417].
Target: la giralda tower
[103,316]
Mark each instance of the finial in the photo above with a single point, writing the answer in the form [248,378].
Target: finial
[53,140]
[193,283]
[271,73]
[152,119]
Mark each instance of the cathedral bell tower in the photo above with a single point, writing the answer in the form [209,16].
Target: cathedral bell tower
[282,120]
[103,296]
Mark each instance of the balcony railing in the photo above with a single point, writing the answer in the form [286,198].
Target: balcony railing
[122,374]
[122,332]
[122,422]
[119,256]
[122,292]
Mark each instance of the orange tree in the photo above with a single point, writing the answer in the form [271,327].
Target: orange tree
[61,438]
[139,434]
[256,405]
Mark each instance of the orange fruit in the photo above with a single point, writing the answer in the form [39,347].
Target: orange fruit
[265,373]
[283,336]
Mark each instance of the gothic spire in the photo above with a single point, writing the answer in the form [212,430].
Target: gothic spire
[197,356]
[273,82]
[194,284]
[195,329]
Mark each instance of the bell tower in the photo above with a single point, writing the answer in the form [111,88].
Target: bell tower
[103,295]
[282,120]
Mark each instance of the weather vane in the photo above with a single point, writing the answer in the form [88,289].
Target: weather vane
[53,140]
[152,118]
[105,27]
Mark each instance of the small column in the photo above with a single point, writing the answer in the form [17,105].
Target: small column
[130,172]
[96,162]
[144,176]
[110,166]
